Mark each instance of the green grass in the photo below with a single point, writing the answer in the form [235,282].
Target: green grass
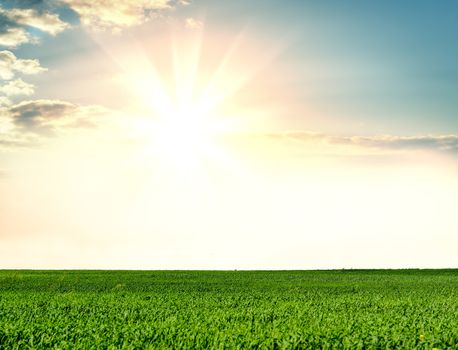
[348,309]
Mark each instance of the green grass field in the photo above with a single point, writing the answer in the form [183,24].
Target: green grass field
[348,309]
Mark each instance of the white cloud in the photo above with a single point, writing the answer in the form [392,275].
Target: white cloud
[46,22]
[4,101]
[13,37]
[111,15]
[17,87]
[14,23]
[192,23]
[9,64]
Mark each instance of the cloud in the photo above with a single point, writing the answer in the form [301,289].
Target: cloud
[381,143]
[37,124]
[14,23]
[13,37]
[44,117]
[45,21]
[40,116]
[192,23]
[4,101]
[116,15]
[9,64]
[29,123]
[425,142]
[17,87]
[12,138]
[94,14]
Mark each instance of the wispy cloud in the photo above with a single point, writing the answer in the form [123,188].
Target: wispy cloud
[382,142]
[440,142]
[116,15]
[11,137]
[49,115]
[192,23]
[39,113]
[14,141]
[30,123]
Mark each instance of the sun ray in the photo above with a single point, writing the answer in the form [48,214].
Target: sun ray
[186,70]
[183,119]
[212,94]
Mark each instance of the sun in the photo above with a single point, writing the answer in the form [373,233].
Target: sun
[181,129]
[186,110]
[185,138]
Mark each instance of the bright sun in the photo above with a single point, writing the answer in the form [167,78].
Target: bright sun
[184,114]
[185,138]
[181,133]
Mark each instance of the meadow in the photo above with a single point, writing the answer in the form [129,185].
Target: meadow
[338,309]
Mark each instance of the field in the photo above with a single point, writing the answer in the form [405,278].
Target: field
[340,309]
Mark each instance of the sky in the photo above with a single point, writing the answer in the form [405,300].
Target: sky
[202,134]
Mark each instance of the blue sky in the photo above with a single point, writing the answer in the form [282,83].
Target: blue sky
[389,64]
[366,67]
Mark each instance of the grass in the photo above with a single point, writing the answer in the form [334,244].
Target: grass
[341,309]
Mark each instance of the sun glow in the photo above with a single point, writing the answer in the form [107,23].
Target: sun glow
[189,94]
[185,138]
[183,128]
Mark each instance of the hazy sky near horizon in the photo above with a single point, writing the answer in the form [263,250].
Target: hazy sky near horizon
[179,134]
